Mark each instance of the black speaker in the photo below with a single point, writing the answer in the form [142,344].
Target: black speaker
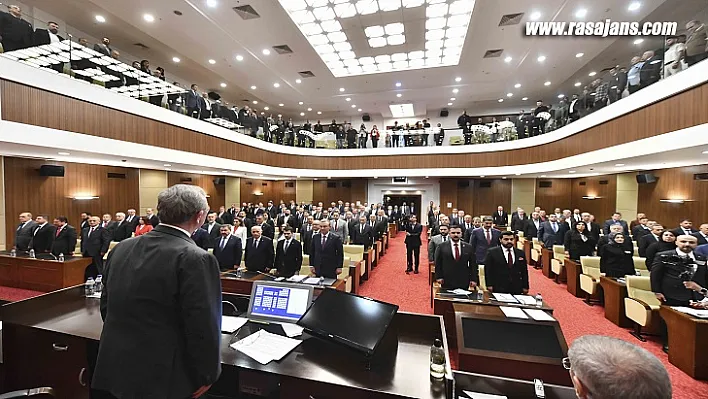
[646,178]
[366,118]
[545,184]
[219,181]
[51,170]
[444,113]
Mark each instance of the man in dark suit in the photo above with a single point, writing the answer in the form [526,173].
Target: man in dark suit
[108,224]
[377,228]
[43,235]
[531,226]
[518,219]
[212,228]
[361,233]
[288,255]
[467,228]
[154,219]
[286,218]
[327,255]
[616,219]
[591,227]
[500,217]
[49,36]
[266,229]
[161,342]
[95,241]
[104,47]
[228,249]
[685,228]
[192,101]
[15,32]
[133,220]
[702,234]
[64,237]
[648,239]
[201,238]
[122,229]
[641,229]
[483,238]
[455,263]
[225,216]
[24,232]
[505,268]
[260,253]
[311,228]
[551,232]
[673,272]
[84,220]
[272,210]
[413,243]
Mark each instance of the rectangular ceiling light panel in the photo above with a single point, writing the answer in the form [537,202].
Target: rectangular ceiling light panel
[446,24]
[402,110]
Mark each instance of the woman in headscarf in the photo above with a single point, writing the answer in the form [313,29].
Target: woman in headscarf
[578,242]
[616,260]
[667,242]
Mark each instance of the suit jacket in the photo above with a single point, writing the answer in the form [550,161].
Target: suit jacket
[503,278]
[668,273]
[359,237]
[95,244]
[159,342]
[517,223]
[230,256]
[679,231]
[645,242]
[530,229]
[133,223]
[24,234]
[696,42]
[122,230]
[433,245]
[341,229]
[272,211]
[16,33]
[478,241]
[288,262]
[65,242]
[594,230]
[227,218]
[43,238]
[102,48]
[326,260]
[413,240]
[192,99]
[291,221]
[213,235]
[638,232]
[610,222]
[456,273]
[701,240]
[306,237]
[500,220]
[154,220]
[201,238]
[41,37]
[261,258]
[548,237]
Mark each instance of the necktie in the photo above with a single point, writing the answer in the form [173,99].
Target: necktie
[20,226]
[444,238]
[335,225]
[223,242]
[58,231]
[90,231]
[489,237]
[555,228]
[361,230]
[324,240]
[468,226]
[287,244]
[510,258]
[457,252]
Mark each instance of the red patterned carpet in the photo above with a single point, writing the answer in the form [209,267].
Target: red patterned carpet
[389,283]
[16,294]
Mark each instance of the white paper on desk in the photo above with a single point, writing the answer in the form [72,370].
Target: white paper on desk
[460,291]
[292,330]
[700,313]
[312,280]
[94,295]
[505,298]
[516,313]
[297,278]
[539,315]
[229,324]
[479,395]
[264,347]
[526,299]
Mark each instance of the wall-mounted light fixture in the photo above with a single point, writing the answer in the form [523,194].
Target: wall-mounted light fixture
[258,193]
[675,201]
[84,197]
[590,197]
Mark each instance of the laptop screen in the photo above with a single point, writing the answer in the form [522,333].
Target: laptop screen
[271,301]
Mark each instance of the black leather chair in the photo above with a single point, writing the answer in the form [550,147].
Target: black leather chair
[37,393]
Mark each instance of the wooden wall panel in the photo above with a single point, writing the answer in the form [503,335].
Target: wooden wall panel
[448,194]
[356,192]
[557,196]
[275,191]
[27,191]
[486,200]
[675,183]
[216,193]
[602,207]
[33,106]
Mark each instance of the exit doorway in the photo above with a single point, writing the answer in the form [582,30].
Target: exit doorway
[399,199]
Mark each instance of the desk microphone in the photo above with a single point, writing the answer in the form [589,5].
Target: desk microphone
[265,274]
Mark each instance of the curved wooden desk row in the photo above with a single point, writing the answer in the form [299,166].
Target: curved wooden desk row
[44,274]
[34,106]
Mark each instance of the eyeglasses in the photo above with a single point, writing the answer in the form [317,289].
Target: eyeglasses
[566,363]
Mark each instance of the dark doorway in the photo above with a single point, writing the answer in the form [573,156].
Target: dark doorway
[399,199]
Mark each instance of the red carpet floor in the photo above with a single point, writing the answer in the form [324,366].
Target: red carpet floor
[16,294]
[389,283]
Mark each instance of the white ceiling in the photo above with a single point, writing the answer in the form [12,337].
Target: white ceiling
[202,33]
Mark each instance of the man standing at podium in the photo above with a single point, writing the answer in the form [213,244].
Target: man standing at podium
[505,267]
[161,308]
[455,263]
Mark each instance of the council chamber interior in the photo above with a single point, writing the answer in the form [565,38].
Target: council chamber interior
[405,199]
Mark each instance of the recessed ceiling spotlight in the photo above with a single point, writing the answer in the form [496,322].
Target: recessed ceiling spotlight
[571,171]
[319,112]
[347,99]
[581,13]
[64,153]
[266,108]
[634,6]
[482,176]
[300,103]
[281,105]
[302,114]
[211,3]
[508,59]
[510,94]
[176,59]
[504,178]
[452,98]
[255,102]
[276,85]
[399,95]
[543,175]
[593,73]
[639,41]
[309,110]
[517,85]
[398,84]
[501,100]
[239,57]
[578,84]
[449,104]
[266,51]
[524,99]
[100,19]
[561,95]
[535,15]
[359,110]
[458,79]
[253,87]
[541,58]
[517,174]
[298,81]
[224,171]
[547,83]
[280,115]
[455,91]
[167,165]
[705,153]
[341,89]
[212,61]
[148,18]
[223,85]
[619,164]
[579,55]
[353,105]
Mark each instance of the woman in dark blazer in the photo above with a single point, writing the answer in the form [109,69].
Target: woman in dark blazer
[578,242]
[616,260]
[667,242]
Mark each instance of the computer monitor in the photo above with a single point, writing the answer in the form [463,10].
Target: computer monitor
[279,302]
[357,322]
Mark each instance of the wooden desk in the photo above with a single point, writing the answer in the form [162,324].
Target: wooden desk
[508,387]
[688,347]
[314,369]
[528,244]
[41,274]
[573,270]
[546,256]
[614,294]
[368,258]
[392,229]
[235,285]
[510,350]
